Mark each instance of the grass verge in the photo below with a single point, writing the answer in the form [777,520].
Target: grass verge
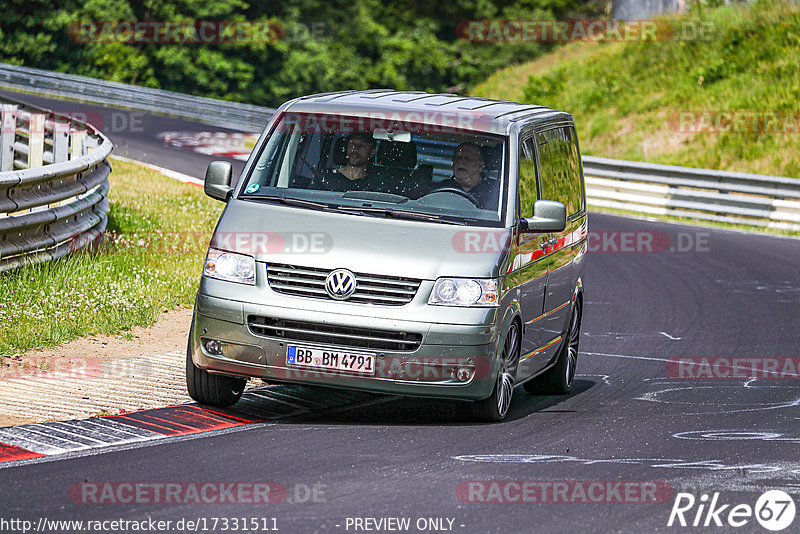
[627,97]
[149,262]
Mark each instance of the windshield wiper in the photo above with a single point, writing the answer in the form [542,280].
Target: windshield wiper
[290,201]
[399,214]
[388,212]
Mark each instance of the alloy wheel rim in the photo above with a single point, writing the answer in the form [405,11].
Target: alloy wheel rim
[505,380]
[572,344]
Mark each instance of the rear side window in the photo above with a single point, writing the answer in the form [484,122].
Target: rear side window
[559,168]
[528,192]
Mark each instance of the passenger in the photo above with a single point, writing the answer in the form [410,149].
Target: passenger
[358,173]
[469,176]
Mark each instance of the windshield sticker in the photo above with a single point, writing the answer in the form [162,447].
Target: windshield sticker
[252,188]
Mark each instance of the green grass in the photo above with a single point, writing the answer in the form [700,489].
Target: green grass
[625,96]
[150,261]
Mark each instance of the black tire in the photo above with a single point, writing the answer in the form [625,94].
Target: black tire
[211,389]
[495,408]
[558,380]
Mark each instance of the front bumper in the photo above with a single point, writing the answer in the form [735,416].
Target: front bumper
[429,370]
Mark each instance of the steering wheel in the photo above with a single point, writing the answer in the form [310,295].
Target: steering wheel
[315,171]
[457,191]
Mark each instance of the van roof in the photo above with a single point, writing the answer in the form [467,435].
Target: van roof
[470,112]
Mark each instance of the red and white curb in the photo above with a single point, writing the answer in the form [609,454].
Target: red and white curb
[272,403]
[46,439]
[226,145]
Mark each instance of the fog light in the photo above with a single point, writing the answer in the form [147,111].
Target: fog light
[463,374]
[213,346]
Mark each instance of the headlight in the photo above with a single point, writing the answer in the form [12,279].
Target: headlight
[230,266]
[465,292]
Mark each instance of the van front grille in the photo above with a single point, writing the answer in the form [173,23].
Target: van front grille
[342,336]
[370,289]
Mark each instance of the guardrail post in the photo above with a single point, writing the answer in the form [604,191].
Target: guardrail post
[60,141]
[77,144]
[9,127]
[36,140]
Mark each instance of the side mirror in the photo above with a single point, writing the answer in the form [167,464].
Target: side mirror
[218,180]
[548,216]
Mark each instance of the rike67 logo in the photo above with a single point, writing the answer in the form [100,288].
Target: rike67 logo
[774,510]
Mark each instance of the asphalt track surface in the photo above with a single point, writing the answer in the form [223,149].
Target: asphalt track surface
[631,418]
[135,134]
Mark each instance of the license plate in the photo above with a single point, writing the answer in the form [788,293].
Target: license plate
[332,360]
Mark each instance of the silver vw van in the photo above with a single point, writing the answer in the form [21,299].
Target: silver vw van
[397,242]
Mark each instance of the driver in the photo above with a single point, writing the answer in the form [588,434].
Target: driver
[356,174]
[468,175]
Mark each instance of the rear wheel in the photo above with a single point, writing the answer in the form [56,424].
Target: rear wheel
[495,408]
[211,389]
[558,380]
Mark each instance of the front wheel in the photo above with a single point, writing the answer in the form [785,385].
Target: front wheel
[559,379]
[495,408]
[211,389]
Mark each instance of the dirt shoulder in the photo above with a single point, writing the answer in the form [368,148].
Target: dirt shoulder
[141,368]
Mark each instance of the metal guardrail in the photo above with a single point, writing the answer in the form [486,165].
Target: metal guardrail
[719,196]
[53,185]
[234,115]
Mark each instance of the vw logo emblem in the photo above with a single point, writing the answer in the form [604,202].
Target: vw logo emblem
[340,284]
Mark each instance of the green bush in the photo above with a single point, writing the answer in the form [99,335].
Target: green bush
[363,44]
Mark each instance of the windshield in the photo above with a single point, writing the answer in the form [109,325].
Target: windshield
[398,169]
